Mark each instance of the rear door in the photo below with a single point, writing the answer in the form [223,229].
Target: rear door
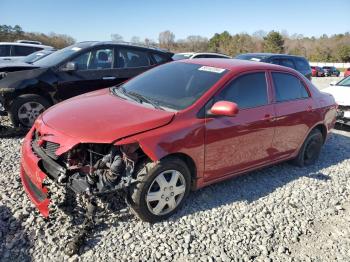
[233,144]
[294,109]
[96,69]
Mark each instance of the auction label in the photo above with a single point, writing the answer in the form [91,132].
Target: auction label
[211,69]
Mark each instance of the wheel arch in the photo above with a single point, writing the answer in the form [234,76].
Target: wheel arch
[189,163]
[322,127]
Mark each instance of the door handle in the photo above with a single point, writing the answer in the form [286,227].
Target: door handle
[109,78]
[268,117]
[309,108]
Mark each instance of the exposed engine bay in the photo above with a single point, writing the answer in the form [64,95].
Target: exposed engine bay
[91,170]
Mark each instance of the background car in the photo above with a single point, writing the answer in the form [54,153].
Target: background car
[176,128]
[193,55]
[72,71]
[15,51]
[331,71]
[341,93]
[22,64]
[317,71]
[347,72]
[298,63]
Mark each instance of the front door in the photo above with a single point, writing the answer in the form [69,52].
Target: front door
[233,144]
[96,69]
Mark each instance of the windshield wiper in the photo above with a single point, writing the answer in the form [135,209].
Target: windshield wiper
[136,97]
[144,99]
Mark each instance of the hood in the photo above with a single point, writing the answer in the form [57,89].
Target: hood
[101,117]
[20,79]
[341,94]
[15,66]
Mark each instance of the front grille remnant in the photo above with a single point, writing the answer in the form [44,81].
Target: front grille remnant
[50,149]
[47,146]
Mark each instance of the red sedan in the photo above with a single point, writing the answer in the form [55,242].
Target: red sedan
[176,128]
[347,72]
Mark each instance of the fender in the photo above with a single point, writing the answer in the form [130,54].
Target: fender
[185,137]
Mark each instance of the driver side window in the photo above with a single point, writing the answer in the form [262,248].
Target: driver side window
[95,59]
[247,91]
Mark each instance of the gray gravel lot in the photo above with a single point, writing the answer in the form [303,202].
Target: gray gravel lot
[281,213]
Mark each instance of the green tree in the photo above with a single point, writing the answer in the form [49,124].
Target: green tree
[343,53]
[220,43]
[274,43]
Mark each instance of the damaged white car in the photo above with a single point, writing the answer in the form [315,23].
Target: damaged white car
[341,94]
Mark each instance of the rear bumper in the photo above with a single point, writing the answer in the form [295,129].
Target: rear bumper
[33,178]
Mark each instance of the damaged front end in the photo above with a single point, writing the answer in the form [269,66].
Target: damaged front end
[87,168]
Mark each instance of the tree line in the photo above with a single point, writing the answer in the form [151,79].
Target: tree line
[13,33]
[333,48]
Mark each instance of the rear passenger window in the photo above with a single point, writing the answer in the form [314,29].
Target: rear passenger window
[301,64]
[288,87]
[159,58]
[287,62]
[129,58]
[22,50]
[247,91]
[4,50]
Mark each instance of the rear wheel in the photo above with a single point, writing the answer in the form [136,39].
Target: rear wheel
[310,150]
[26,108]
[161,190]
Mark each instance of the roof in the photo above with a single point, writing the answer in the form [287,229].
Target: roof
[235,64]
[25,44]
[200,53]
[266,55]
[98,43]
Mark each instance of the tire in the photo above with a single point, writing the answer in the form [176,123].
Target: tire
[310,150]
[30,105]
[167,195]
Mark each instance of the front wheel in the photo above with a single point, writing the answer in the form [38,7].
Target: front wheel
[310,150]
[161,189]
[26,108]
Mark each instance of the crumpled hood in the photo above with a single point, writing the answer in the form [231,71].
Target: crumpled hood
[101,117]
[341,94]
[19,79]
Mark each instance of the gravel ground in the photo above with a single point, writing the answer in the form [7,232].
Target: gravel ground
[281,213]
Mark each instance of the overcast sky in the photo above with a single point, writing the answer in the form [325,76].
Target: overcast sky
[97,20]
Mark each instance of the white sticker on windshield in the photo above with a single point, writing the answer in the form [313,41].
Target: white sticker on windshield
[211,69]
[255,59]
[76,48]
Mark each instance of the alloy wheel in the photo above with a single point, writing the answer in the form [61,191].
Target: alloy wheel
[28,112]
[166,192]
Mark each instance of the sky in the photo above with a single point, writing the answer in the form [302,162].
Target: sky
[97,20]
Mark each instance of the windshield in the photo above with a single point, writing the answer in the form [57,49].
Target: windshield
[181,56]
[57,57]
[344,82]
[257,58]
[35,57]
[174,85]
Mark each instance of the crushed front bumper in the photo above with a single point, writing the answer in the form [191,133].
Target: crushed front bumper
[2,107]
[33,178]
[343,114]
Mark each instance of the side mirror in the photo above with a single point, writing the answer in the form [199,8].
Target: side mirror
[333,83]
[69,67]
[224,108]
